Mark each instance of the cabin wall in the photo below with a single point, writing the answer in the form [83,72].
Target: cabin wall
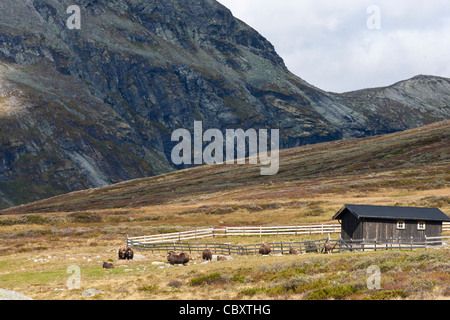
[387,229]
[351,227]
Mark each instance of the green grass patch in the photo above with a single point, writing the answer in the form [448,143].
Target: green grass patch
[215,277]
[336,292]
[148,289]
[388,294]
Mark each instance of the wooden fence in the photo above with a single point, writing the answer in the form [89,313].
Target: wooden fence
[392,243]
[238,231]
[338,245]
[230,249]
[445,226]
[247,231]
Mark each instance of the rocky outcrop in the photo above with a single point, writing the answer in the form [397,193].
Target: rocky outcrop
[91,107]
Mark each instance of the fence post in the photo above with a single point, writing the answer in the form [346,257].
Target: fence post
[321,229]
[260,231]
[425,242]
[411,243]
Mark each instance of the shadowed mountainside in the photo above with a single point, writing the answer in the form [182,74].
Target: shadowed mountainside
[93,107]
[417,158]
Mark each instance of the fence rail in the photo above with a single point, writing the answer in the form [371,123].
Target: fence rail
[230,249]
[338,245]
[445,226]
[238,231]
[248,231]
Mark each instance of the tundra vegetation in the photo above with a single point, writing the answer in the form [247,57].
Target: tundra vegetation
[41,240]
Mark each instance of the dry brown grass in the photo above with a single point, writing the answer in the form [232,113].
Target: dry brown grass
[410,169]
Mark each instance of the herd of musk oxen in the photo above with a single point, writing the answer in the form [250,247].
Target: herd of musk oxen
[174,258]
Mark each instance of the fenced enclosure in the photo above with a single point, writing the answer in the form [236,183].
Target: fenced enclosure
[174,241]
[246,231]
[238,231]
[231,249]
[338,245]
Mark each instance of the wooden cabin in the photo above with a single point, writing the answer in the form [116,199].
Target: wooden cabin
[385,222]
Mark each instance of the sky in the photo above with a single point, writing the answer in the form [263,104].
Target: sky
[345,45]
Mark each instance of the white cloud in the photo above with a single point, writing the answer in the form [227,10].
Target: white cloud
[328,43]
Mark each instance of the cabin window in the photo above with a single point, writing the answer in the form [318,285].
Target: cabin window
[400,225]
[421,225]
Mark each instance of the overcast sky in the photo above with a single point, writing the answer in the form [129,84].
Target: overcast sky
[344,45]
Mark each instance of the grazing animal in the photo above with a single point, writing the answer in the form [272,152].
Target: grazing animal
[207,254]
[108,265]
[173,258]
[264,249]
[293,251]
[328,248]
[126,253]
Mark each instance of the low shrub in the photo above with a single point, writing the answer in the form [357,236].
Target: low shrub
[85,217]
[208,279]
[336,292]
[388,294]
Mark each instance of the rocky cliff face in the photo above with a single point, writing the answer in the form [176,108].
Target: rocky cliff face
[90,107]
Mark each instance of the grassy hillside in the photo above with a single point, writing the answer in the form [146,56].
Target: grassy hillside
[40,240]
[414,161]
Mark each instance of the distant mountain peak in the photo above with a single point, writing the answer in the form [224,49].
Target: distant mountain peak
[100,103]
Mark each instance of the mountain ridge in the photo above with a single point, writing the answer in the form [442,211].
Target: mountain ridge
[92,107]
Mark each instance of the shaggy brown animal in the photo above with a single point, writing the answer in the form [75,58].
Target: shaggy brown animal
[328,248]
[174,258]
[293,251]
[264,249]
[108,265]
[207,254]
[126,253]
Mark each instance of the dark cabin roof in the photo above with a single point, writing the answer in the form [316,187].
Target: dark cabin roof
[394,213]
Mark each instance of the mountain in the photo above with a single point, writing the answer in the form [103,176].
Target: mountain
[96,106]
[410,160]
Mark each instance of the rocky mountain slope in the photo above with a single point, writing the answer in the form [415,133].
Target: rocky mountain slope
[411,160]
[91,107]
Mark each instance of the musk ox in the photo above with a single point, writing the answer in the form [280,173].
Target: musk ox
[293,251]
[264,249]
[207,254]
[126,253]
[108,265]
[175,258]
[328,248]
